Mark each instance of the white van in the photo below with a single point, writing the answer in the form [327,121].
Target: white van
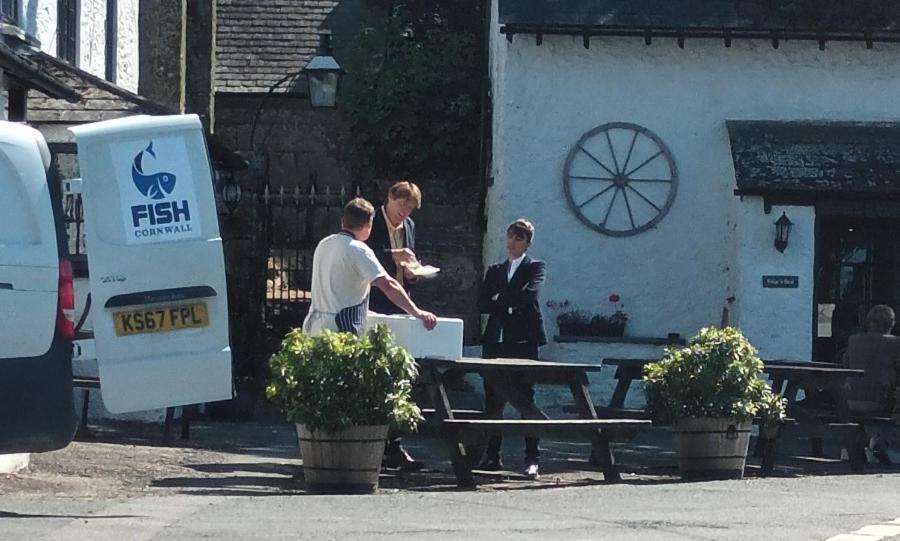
[157,276]
[36,300]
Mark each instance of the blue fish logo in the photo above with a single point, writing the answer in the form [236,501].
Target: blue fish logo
[155,186]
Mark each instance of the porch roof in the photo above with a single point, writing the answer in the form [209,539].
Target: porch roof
[102,100]
[30,75]
[813,159]
[839,20]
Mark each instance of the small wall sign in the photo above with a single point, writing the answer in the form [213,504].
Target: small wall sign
[781,281]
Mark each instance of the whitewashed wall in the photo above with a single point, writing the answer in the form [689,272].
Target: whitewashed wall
[711,246]
[127,46]
[40,21]
[777,320]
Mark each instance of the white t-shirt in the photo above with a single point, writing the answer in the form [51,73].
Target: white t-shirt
[343,270]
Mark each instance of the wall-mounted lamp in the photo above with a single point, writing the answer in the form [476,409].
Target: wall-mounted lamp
[323,74]
[231,192]
[782,232]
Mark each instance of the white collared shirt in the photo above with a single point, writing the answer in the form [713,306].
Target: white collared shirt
[514,266]
[396,236]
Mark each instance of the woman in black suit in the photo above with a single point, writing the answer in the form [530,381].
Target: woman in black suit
[515,327]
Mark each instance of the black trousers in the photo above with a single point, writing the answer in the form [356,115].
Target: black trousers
[494,403]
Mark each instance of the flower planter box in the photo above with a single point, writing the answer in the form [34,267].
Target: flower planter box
[592,329]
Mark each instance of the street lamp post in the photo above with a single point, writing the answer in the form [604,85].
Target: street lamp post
[323,74]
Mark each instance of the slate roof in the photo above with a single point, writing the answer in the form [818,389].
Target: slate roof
[101,100]
[877,20]
[259,42]
[17,66]
[815,157]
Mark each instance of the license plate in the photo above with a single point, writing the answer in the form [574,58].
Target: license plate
[162,319]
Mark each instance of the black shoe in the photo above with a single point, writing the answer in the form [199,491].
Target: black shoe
[398,458]
[491,464]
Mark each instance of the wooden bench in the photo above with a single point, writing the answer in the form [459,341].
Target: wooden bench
[788,377]
[591,430]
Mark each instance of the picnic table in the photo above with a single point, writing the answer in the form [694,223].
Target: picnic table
[788,378]
[816,419]
[501,374]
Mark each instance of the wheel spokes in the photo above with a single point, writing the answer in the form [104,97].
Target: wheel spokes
[644,198]
[609,208]
[630,150]
[598,162]
[628,206]
[612,152]
[581,177]
[598,194]
[645,162]
[666,180]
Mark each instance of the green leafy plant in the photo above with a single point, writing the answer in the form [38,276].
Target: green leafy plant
[716,375]
[337,380]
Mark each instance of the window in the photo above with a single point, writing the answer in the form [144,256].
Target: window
[112,34]
[9,11]
[67,30]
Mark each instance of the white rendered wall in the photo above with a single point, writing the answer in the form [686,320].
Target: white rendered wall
[127,46]
[777,320]
[678,276]
[40,21]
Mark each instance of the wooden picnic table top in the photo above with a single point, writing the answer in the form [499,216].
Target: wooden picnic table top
[612,361]
[799,370]
[793,362]
[474,364]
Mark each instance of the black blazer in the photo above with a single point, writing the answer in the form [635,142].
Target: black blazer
[518,296]
[380,243]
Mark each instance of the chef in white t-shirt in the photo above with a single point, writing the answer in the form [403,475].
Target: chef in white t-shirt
[344,268]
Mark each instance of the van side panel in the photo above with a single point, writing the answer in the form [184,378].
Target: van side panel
[37,409]
[29,250]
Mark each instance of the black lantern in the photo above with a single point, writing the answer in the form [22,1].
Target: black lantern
[782,232]
[231,193]
[323,74]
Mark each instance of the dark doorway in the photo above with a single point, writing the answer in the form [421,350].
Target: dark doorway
[857,266]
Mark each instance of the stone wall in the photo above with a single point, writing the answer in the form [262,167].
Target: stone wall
[161,43]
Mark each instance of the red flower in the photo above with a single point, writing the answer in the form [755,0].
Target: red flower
[614,298]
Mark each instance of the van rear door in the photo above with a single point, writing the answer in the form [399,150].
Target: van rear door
[29,254]
[157,272]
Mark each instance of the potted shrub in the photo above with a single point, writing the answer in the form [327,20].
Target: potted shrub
[343,392]
[710,391]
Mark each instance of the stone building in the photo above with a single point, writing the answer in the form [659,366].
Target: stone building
[655,145]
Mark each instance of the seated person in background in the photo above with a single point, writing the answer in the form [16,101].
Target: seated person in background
[876,351]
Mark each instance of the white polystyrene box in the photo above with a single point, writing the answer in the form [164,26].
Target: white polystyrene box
[445,341]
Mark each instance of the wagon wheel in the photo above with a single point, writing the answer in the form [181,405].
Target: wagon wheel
[620,179]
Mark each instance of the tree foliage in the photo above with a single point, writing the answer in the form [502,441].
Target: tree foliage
[413,95]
